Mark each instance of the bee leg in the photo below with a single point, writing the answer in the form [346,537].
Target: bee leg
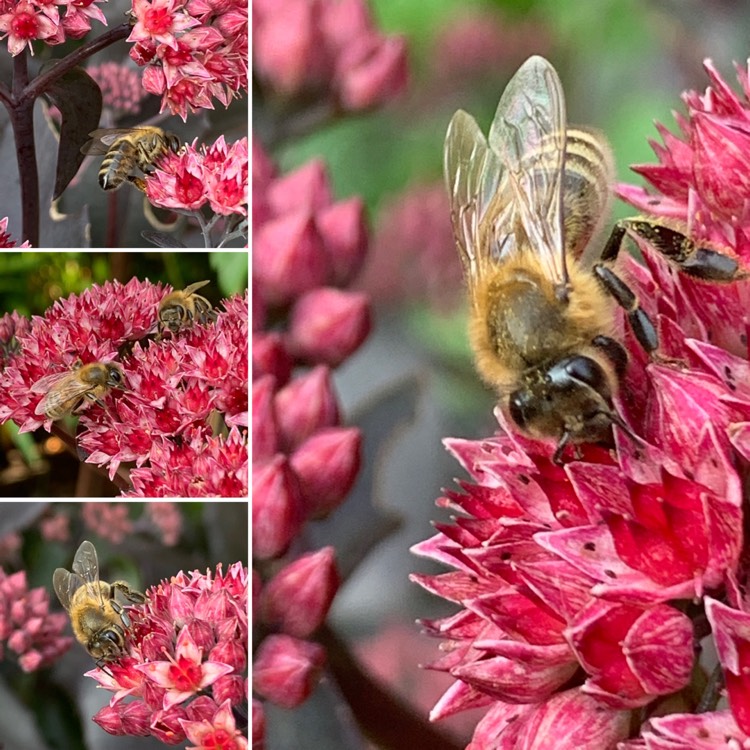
[700,262]
[137,182]
[642,326]
[127,592]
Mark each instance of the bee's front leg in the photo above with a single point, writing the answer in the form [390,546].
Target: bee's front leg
[137,182]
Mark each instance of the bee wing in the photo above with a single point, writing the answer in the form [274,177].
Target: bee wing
[67,390]
[86,565]
[44,384]
[103,138]
[65,584]
[195,287]
[474,177]
[528,134]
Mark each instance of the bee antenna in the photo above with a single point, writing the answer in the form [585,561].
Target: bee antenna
[615,418]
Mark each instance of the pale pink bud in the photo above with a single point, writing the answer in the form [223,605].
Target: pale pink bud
[721,166]
[270,357]
[286,669]
[289,257]
[297,599]
[277,507]
[125,718]
[307,188]
[327,325]
[259,725]
[265,436]
[326,465]
[375,71]
[344,21]
[289,48]
[305,405]
[344,233]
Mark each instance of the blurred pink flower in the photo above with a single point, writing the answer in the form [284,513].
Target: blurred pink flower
[414,254]
[167,517]
[110,521]
[26,625]
[122,92]
[55,528]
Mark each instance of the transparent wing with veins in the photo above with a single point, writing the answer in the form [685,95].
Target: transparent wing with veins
[528,135]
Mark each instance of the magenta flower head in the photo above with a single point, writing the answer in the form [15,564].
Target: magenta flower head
[582,584]
[185,669]
[167,400]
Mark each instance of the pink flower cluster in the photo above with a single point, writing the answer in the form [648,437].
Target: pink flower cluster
[327,49]
[304,461]
[178,389]
[216,175]
[6,241]
[194,51]
[186,664]
[25,21]
[585,590]
[122,91]
[26,625]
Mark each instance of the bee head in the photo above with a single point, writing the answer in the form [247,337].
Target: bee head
[107,644]
[115,378]
[571,399]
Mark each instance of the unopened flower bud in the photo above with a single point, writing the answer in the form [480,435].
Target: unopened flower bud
[326,465]
[265,436]
[259,308]
[344,231]
[263,167]
[125,718]
[306,188]
[297,599]
[372,72]
[289,258]
[277,507]
[286,669]
[307,404]
[270,357]
[327,325]
[288,47]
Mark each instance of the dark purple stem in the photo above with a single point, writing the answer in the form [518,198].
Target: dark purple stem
[40,84]
[22,120]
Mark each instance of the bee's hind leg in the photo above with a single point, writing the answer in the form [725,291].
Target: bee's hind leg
[642,325]
[137,182]
[700,262]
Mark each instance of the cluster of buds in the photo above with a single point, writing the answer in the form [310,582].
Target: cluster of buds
[179,390]
[304,460]
[326,49]
[28,20]
[583,587]
[122,92]
[185,671]
[26,625]
[194,51]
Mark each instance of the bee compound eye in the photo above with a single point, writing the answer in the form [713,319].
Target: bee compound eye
[520,406]
[588,371]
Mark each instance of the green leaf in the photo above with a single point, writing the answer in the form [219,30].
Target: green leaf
[79,99]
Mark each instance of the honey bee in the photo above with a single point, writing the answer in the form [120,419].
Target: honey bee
[126,149]
[525,205]
[181,308]
[97,618]
[68,392]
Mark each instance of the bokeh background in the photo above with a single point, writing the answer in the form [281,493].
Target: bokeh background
[37,464]
[624,65]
